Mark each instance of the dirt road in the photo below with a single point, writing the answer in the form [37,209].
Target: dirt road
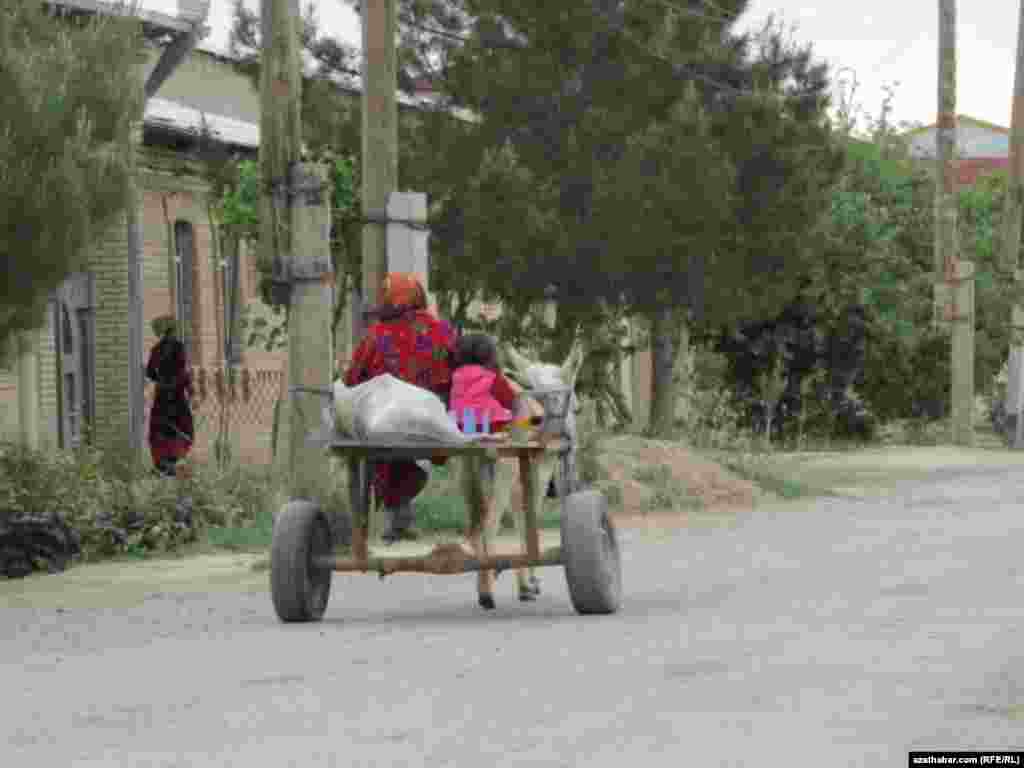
[839,632]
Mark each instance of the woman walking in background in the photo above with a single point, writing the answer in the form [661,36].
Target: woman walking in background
[171,431]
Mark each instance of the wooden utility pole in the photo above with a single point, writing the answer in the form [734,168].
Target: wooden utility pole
[295,239]
[1010,257]
[380,157]
[955,298]
[380,139]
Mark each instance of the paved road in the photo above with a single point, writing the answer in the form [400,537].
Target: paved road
[841,633]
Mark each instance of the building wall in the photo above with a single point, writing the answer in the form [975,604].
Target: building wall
[46,366]
[46,359]
[168,198]
[165,201]
[972,141]
[210,84]
[109,265]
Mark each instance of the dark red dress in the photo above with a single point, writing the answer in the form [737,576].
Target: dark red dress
[171,430]
[416,348]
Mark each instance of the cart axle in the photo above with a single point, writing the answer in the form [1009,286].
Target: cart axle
[444,560]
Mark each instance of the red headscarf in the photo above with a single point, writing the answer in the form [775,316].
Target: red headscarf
[403,290]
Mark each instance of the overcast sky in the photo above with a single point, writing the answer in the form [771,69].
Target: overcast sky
[881,40]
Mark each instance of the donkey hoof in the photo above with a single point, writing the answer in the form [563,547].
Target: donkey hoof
[527,595]
[486,601]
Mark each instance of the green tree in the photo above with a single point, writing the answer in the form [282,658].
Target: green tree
[69,92]
[667,157]
[878,253]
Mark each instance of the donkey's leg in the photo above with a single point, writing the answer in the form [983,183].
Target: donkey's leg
[501,496]
[479,516]
[543,468]
[548,464]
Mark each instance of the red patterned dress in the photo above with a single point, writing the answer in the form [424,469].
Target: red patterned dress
[171,430]
[419,349]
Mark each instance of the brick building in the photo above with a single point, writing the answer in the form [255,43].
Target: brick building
[83,355]
[83,350]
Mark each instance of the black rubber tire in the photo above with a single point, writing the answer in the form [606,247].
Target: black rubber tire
[299,589]
[590,553]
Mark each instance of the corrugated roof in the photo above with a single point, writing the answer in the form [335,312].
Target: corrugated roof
[181,22]
[181,118]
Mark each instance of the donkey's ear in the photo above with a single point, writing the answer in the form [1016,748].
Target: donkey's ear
[518,361]
[573,363]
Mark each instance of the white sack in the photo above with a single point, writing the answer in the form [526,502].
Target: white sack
[387,409]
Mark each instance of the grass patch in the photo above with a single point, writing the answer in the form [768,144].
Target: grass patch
[770,479]
[668,492]
[253,537]
[441,508]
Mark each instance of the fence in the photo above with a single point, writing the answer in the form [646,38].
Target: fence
[249,410]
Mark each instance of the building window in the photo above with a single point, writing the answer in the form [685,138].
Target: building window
[184,284]
[65,329]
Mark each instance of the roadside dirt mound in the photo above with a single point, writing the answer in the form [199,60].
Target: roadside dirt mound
[630,461]
[646,472]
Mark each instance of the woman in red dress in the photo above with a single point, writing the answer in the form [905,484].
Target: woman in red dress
[171,430]
[409,343]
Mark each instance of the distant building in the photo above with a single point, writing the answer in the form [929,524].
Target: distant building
[982,147]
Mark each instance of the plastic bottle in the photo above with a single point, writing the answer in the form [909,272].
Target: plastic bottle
[485,424]
[469,421]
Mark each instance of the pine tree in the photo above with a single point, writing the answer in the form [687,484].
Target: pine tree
[69,92]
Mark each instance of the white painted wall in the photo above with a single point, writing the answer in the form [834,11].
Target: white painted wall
[972,141]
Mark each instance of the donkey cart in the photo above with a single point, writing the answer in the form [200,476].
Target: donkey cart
[303,555]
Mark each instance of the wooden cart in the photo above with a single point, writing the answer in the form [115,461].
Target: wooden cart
[303,557]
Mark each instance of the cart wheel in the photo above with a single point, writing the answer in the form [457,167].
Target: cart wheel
[299,587]
[590,551]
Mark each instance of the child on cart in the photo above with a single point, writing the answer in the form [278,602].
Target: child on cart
[478,386]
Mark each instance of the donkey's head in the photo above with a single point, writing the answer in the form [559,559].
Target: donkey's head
[549,376]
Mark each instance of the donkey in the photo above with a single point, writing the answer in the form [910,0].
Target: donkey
[499,475]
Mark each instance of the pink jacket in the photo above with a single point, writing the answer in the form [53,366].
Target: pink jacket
[471,388]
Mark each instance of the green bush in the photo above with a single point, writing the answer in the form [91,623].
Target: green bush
[127,510]
[908,379]
[710,420]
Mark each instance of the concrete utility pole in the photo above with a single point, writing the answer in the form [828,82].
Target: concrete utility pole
[1010,260]
[295,238]
[955,299]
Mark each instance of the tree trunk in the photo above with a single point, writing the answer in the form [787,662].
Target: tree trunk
[665,339]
